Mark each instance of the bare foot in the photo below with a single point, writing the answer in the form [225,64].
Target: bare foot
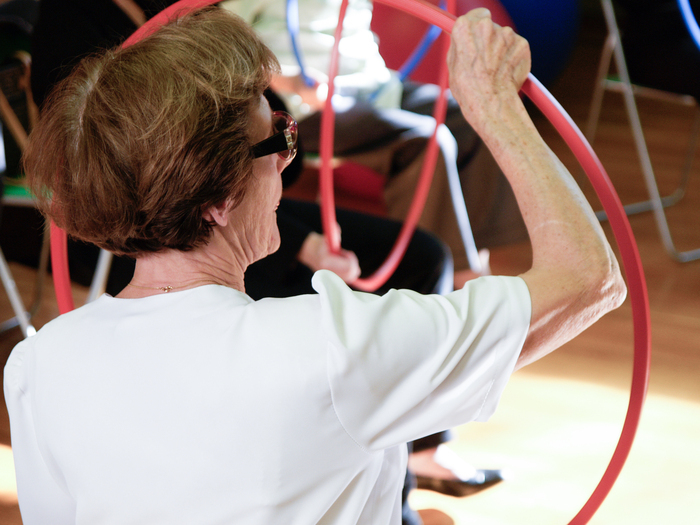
[435,517]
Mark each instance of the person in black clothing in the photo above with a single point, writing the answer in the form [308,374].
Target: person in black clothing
[367,240]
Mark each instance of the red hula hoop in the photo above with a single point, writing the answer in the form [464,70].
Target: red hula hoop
[59,269]
[585,155]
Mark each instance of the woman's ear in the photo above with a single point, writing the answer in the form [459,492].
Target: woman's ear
[218,214]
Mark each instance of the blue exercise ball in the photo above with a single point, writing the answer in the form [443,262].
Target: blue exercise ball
[551,28]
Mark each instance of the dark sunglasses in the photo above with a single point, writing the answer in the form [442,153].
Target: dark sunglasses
[284,142]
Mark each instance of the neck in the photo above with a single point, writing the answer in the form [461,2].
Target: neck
[174,270]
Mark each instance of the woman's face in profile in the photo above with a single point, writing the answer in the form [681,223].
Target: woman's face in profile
[256,214]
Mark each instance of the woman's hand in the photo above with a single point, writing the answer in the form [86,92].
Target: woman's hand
[488,66]
[314,253]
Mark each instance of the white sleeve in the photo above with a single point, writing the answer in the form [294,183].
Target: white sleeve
[41,499]
[406,365]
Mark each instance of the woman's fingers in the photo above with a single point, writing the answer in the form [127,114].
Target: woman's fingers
[486,61]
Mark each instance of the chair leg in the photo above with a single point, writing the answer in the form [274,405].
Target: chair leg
[38,285]
[656,203]
[99,280]
[603,83]
[448,147]
[41,272]
[676,195]
[21,315]
[599,88]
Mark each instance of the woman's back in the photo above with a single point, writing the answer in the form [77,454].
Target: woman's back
[204,406]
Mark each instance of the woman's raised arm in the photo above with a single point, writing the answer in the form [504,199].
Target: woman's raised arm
[575,277]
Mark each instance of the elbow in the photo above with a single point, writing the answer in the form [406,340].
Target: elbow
[606,287]
[565,304]
[613,290]
[618,289]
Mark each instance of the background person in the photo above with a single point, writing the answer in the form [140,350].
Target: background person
[385,124]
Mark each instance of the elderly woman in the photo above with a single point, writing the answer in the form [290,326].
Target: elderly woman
[182,400]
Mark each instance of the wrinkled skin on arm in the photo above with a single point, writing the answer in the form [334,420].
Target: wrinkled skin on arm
[575,277]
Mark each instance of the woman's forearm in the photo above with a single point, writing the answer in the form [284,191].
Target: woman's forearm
[574,278]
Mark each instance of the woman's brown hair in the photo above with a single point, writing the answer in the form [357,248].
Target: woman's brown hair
[136,143]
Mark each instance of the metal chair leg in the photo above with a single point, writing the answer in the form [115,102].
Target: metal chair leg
[656,203]
[21,315]
[448,147]
[41,272]
[38,288]
[599,87]
[99,280]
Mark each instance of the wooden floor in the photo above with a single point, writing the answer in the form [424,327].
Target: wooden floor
[560,419]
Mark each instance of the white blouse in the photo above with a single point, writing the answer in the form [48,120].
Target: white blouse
[204,406]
